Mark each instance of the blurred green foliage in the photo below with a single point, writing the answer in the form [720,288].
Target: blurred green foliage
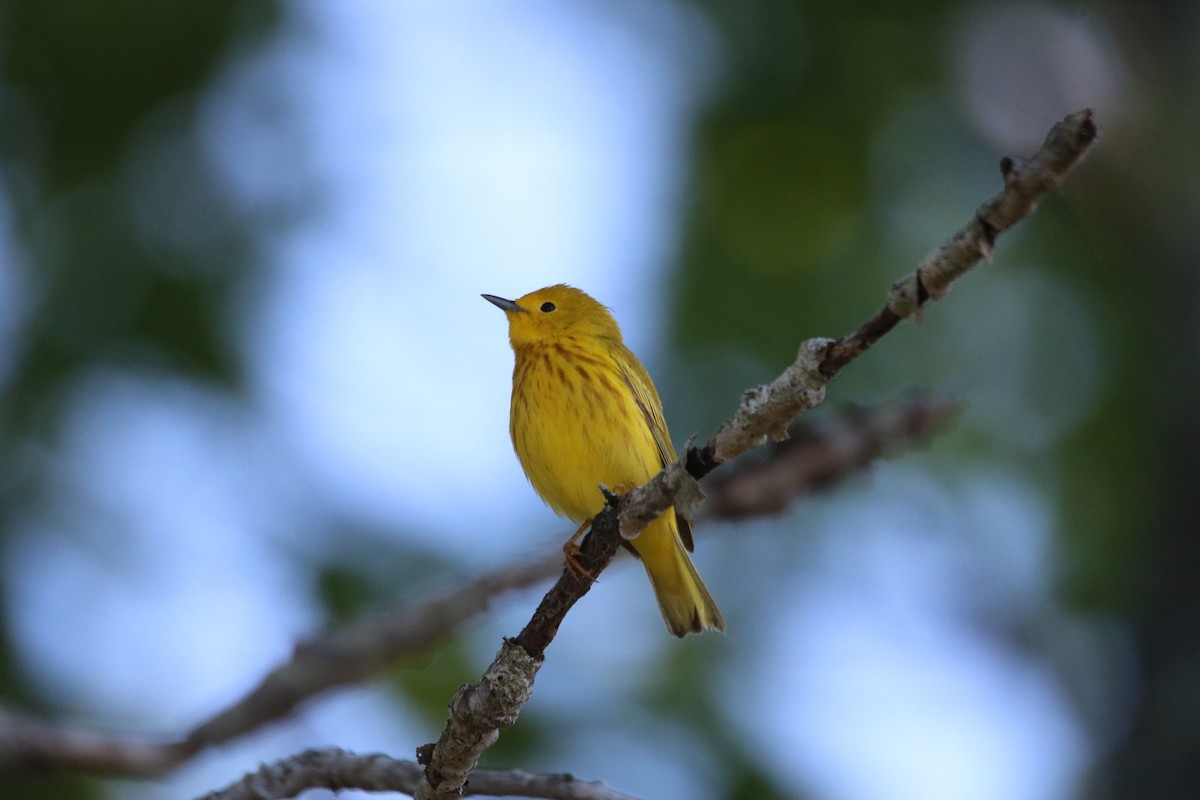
[78,82]
[82,81]
[93,72]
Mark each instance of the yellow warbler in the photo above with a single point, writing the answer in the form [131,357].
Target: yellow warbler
[584,412]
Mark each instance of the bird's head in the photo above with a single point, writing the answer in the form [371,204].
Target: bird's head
[556,312]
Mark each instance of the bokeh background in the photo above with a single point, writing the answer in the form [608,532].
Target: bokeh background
[248,388]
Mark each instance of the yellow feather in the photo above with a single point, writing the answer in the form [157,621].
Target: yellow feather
[585,412]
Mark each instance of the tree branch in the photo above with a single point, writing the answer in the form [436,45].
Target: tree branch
[478,711]
[335,769]
[361,650]
[821,455]
[346,656]
[765,413]
[356,653]
[33,743]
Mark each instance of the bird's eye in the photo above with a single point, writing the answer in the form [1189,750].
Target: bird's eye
[547,307]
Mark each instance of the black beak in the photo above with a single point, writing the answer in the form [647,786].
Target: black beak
[507,306]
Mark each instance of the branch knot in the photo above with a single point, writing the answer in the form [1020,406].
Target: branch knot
[673,486]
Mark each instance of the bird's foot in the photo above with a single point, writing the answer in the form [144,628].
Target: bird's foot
[572,551]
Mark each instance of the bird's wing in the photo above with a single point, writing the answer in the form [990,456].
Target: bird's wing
[646,396]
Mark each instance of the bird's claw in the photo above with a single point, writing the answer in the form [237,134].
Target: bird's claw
[572,551]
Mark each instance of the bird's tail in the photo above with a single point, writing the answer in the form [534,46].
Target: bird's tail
[682,596]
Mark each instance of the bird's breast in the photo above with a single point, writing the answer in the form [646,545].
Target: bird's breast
[575,424]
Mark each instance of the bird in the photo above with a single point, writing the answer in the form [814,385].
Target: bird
[584,413]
